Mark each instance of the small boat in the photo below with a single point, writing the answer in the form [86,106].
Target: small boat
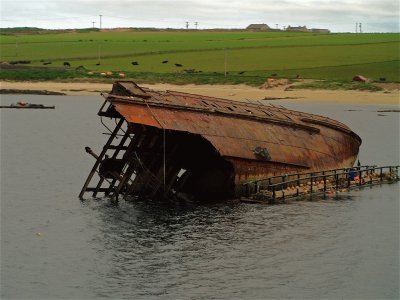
[22,104]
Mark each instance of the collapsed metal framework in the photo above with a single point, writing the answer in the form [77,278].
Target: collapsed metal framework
[145,161]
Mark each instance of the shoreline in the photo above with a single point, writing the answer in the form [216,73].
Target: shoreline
[233,92]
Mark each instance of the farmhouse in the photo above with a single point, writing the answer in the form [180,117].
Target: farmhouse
[298,28]
[255,27]
[320,30]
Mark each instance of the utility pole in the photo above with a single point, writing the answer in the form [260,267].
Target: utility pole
[356,27]
[100,21]
[360,28]
[195,24]
[98,54]
[16,45]
[187,25]
[93,24]
[226,61]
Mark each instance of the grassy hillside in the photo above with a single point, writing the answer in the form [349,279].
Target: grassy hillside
[249,56]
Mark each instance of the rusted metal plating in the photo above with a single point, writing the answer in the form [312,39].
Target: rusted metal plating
[221,140]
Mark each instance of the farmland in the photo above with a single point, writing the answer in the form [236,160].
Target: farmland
[248,57]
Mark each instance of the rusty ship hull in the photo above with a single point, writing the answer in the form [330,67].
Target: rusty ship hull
[184,145]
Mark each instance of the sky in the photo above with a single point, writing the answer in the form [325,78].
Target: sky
[338,16]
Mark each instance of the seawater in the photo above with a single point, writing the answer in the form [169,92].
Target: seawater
[54,246]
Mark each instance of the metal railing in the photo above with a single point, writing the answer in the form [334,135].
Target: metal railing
[320,182]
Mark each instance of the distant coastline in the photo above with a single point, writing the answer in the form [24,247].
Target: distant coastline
[235,92]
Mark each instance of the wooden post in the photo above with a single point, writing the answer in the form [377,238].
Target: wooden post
[348,179]
[284,178]
[336,181]
[273,194]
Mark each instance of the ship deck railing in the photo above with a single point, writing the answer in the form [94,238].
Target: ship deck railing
[279,188]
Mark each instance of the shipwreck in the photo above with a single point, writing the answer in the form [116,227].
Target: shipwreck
[169,144]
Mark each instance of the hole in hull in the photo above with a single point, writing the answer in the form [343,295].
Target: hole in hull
[180,165]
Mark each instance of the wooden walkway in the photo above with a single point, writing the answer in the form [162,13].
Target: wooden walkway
[278,189]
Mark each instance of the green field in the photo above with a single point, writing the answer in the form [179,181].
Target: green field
[250,56]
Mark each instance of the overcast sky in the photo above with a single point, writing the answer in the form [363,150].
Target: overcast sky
[338,16]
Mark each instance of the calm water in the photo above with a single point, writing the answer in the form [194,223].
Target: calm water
[337,248]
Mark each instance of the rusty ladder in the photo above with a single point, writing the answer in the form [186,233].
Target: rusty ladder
[119,181]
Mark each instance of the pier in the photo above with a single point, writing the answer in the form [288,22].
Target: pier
[296,186]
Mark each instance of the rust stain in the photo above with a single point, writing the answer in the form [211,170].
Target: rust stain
[235,128]
[248,140]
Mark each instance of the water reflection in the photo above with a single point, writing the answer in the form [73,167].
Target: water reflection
[151,247]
